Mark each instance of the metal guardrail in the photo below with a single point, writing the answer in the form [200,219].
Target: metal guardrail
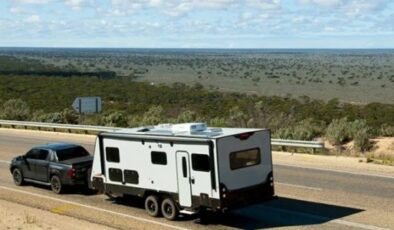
[296,143]
[91,128]
[55,126]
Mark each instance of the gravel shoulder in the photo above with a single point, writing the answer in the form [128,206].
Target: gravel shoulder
[17,216]
[336,163]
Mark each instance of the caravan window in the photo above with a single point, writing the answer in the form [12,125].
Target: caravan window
[158,158]
[112,154]
[200,162]
[244,158]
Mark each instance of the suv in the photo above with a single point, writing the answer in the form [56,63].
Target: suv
[56,165]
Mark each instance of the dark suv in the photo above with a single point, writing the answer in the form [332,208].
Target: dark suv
[56,165]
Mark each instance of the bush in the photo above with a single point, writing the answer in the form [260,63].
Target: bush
[153,116]
[337,132]
[307,130]
[387,130]
[70,116]
[218,122]
[304,130]
[356,126]
[361,140]
[15,109]
[116,118]
[186,116]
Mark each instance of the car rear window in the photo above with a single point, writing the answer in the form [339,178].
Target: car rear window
[70,153]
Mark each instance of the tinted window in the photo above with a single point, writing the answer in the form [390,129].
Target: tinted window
[112,154]
[42,154]
[245,158]
[70,153]
[32,154]
[131,176]
[115,174]
[200,162]
[159,158]
[38,154]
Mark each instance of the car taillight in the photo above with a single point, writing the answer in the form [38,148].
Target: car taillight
[71,173]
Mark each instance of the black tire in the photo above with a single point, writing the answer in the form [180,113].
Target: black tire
[169,209]
[17,176]
[56,185]
[152,206]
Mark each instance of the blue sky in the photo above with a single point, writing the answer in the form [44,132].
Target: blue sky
[198,23]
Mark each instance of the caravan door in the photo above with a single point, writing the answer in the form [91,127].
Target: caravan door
[183,172]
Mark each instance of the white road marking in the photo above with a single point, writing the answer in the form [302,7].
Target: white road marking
[299,186]
[5,162]
[326,219]
[94,208]
[338,171]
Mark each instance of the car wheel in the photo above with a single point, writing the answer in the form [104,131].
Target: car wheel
[152,205]
[169,209]
[17,176]
[56,185]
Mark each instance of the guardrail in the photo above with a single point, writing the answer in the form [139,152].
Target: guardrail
[90,128]
[296,143]
[54,126]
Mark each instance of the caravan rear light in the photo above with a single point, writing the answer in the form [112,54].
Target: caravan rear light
[244,136]
[71,173]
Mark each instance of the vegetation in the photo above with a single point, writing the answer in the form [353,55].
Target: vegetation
[357,76]
[41,86]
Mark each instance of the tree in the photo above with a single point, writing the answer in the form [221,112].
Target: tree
[15,109]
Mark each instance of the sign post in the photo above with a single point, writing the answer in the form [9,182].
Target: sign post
[87,105]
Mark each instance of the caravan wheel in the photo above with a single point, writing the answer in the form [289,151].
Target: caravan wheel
[152,205]
[169,209]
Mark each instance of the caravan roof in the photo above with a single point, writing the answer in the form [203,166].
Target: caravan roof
[192,130]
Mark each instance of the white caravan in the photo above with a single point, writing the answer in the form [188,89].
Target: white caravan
[185,168]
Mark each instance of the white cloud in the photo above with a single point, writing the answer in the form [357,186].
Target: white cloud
[34,18]
[30,1]
[15,10]
[75,4]
[323,3]
[265,4]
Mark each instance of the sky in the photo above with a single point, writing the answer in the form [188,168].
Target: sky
[197,23]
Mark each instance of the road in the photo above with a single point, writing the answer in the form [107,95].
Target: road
[307,198]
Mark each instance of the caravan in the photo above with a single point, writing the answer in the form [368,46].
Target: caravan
[185,168]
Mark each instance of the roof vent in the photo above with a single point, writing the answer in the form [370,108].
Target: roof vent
[189,127]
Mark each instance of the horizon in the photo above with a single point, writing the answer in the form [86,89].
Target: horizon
[188,24]
[193,48]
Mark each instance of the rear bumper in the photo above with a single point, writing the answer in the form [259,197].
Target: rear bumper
[248,196]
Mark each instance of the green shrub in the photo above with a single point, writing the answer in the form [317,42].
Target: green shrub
[387,130]
[15,109]
[70,116]
[361,140]
[338,131]
[153,116]
[116,118]
[218,122]
[356,126]
[186,116]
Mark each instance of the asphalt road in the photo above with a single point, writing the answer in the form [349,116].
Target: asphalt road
[307,198]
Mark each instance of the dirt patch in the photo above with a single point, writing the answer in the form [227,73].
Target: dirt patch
[16,216]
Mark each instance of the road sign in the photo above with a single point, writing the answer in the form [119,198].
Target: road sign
[87,105]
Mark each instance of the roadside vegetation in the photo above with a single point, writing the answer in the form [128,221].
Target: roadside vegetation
[32,90]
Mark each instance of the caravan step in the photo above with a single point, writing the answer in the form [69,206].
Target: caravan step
[187,212]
